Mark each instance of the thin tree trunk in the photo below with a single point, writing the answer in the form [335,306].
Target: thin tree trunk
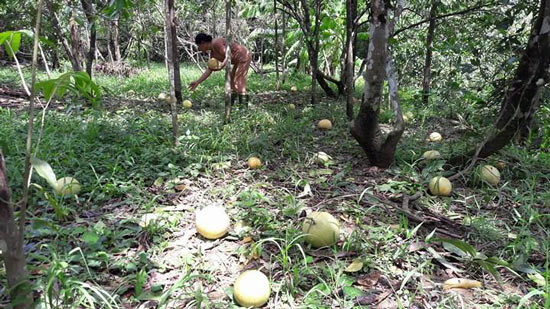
[228,38]
[351,14]
[171,63]
[276,46]
[87,6]
[426,82]
[283,62]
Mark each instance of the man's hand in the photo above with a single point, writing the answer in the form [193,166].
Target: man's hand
[193,85]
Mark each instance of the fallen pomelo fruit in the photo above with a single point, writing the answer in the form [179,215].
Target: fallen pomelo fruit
[291,106]
[251,289]
[461,283]
[162,96]
[293,89]
[440,186]
[490,174]
[322,157]
[431,155]
[254,162]
[187,104]
[213,63]
[67,186]
[435,137]
[212,222]
[322,229]
[324,124]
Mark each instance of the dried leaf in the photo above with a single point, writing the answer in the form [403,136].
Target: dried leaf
[355,266]
[369,280]
[461,283]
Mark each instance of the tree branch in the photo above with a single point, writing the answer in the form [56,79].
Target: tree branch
[465,11]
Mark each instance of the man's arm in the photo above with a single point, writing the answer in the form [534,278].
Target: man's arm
[193,85]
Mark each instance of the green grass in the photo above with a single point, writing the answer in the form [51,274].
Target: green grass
[100,252]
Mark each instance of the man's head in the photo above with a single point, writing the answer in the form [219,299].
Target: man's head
[202,40]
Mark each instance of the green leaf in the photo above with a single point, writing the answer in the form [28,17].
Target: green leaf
[90,238]
[14,42]
[4,36]
[462,245]
[45,171]
[352,292]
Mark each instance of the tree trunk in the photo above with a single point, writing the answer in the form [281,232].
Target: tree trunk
[12,236]
[276,46]
[12,249]
[87,6]
[61,38]
[171,61]
[351,15]
[283,61]
[523,94]
[426,82]
[228,38]
[365,128]
[75,43]
[114,40]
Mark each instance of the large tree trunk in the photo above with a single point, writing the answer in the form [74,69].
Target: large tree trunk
[171,61]
[365,128]
[75,43]
[88,7]
[61,37]
[522,96]
[228,38]
[115,40]
[426,82]
[351,15]
[10,245]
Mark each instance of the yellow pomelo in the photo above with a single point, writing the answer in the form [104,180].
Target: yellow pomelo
[431,155]
[67,186]
[322,229]
[322,157]
[405,119]
[490,174]
[251,289]
[187,104]
[213,63]
[440,186]
[435,137]
[212,222]
[254,163]
[324,124]
[162,96]
[293,88]
[291,106]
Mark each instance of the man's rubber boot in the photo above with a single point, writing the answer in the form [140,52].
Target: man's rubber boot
[244,99]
